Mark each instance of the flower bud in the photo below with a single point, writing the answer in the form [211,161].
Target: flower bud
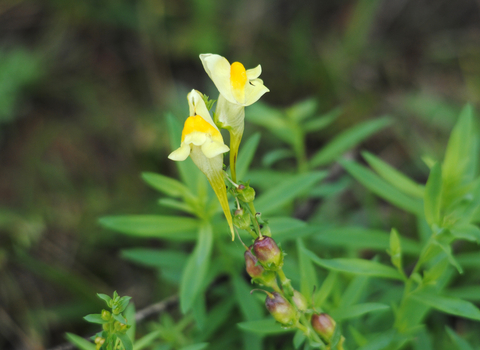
[246,194]
[324,325]
[99,342]
[105,315]
[257,272]
[268,253]
[299,300]
[241,219]
[281,310]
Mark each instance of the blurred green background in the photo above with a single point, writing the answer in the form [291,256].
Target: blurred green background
[85,86]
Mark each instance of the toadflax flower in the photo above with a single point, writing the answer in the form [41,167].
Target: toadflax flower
[203,142]
[238,88]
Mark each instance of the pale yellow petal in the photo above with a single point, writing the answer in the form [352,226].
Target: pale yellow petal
[254,90]
[196,138]
[212,148]
[197,106]
[254,73]
[218,69]
[180,153]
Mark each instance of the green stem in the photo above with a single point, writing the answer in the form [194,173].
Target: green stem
[286,283]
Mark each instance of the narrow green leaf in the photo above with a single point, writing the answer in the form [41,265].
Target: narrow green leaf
[325,289]
[467,231]
[94,318]
[355,266]
[246,154]
[265,327]
[153,226]
[155,257]
[357,310]
[119,318]
[280,195]
[320,123]
[460,343]
[354,292]
[80,342]
[447,249]
[272,119]
[360,238]
[383,189]
[274,156]
[127,343]
[471,293]
[177,205]
[249,306]
[347,140]
[165,184]
[433,195]
[308,277]
[303,109]
[196,269]
[394,177]
[459,164]
[449,305]
[147,340]
[198,346]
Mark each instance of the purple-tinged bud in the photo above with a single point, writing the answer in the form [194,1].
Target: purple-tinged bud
[257,272]
[299,301]
[324,325]
[268,253]
[281,310]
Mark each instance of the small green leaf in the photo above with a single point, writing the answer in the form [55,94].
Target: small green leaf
[448,251]
[383,189]
[357,310]
[449,305]
[274,156]
[80,342]
[119,318]
[153,226]
[265,327]
[196,269]
[471,293]
[95,318]
[198,346]
[460,343]
[288,190]
[395,249]
[347,140]
[355,266]
[303,109]
[380,342]
[433,195]
[394,177]
[130,317]
[127,343]
[246,154]
[105,297]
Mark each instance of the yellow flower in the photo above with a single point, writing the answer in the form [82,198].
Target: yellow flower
[233,81]
[203,142]
[199,131]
